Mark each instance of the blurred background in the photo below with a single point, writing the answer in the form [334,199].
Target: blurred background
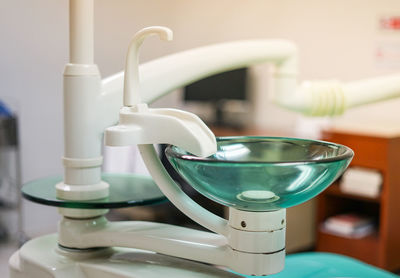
[341,39]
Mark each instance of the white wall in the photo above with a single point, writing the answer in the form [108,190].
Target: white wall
[33,50]
[336,39]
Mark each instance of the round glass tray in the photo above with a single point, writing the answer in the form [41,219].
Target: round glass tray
[126,190]
[262,173]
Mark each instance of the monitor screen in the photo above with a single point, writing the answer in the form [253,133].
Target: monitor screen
[224,86]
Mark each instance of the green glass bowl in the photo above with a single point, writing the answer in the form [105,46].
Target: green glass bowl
[262,173]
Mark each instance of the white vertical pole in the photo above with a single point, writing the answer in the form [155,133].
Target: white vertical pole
[82,137]
[81,31]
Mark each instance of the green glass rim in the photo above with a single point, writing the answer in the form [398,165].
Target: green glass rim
[50,200]
[348,153]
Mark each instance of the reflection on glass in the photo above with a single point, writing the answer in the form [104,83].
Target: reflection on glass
[262,173]
[232,152]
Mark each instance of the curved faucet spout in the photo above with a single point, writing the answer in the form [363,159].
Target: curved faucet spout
[131,84]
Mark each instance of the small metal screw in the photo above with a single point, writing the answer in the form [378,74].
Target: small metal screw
[283,221]
[243,224]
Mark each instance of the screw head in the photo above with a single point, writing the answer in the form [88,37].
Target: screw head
[243,224]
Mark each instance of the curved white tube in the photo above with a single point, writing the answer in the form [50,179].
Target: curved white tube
[175,194]
[161,76]
[372,90]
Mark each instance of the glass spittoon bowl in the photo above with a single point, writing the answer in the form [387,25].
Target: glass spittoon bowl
[262,173]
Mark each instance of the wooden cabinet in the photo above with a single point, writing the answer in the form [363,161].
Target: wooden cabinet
[382,248]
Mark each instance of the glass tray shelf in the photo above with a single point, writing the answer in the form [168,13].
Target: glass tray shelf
[126,190]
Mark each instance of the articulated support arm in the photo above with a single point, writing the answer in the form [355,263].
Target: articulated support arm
[259,250]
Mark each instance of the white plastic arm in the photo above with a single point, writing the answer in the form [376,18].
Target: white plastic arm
[161,238]
[175,194]
[163,75]
[175,241]
[330,98]
[372,90]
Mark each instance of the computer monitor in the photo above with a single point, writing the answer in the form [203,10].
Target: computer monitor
[217,89]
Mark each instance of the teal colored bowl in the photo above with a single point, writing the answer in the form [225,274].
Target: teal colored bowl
[262,173]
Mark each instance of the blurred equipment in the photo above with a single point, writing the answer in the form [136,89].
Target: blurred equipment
[10,200]
[227,94]
[361,181]
[349,225]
